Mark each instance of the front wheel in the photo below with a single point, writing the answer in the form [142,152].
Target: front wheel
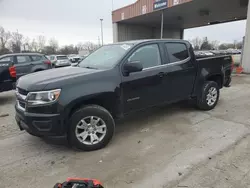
[209,96]
[91,128]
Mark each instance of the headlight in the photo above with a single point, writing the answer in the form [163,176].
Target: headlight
[43,97]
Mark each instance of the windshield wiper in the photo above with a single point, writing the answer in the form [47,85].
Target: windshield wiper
[88,67]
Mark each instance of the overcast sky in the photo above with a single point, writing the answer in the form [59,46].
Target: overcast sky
[73,21]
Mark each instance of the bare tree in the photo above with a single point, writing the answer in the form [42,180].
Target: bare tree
[90,46]
[196,42]
[34,45]
[80,46]
[27,44]
[16,40]
[53,43]
[239,45]
[215,44]
[4,37]
[41,41]
[206,45]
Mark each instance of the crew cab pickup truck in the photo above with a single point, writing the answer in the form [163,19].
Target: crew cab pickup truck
[115,80]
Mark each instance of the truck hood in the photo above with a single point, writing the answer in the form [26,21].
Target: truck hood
[39,80]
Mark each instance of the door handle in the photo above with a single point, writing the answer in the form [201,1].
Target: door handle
[161,74]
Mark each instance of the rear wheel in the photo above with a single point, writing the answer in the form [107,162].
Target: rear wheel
[209,96]
[91,128]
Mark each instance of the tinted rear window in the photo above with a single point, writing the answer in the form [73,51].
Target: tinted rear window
[61,57]
[23,59]
[6,59]
[36,57]
[177,52]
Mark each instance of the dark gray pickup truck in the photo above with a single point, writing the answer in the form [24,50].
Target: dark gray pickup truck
[115,80]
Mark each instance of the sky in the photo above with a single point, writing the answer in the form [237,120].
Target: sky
[73,21]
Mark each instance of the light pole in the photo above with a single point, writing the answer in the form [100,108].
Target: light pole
[101,31]
[162,23]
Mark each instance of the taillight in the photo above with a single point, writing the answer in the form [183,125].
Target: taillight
[47,62]
[12,71]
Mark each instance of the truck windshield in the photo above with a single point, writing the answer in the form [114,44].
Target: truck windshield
[105,57]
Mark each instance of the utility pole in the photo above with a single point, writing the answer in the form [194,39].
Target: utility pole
[99,43]
[162,23]
[112,5]
[101,30]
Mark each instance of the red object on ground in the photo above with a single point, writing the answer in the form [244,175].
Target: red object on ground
[81,182]
[239,70]
[95,182]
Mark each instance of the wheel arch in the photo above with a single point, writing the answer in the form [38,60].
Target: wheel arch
[218,78]
[106,100]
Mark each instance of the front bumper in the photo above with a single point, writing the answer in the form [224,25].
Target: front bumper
[62,64]
[40,124]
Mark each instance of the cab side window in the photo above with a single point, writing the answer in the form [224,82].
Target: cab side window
[36,58]
[23,59]
[6,59]
[148,56]
[176,52]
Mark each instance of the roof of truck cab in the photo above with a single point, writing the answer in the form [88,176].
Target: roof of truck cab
[13,54]
[150,40]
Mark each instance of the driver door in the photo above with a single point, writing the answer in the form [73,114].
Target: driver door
[143,89]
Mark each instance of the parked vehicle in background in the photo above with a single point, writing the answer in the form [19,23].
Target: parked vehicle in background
[75,59]
[210,53]
[59,60]
[233,51]
[203,54]
[13,66]
[113,81]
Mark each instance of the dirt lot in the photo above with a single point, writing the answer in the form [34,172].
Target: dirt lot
[173,146]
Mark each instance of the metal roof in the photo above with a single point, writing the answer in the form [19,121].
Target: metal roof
[186,14]
[142,7]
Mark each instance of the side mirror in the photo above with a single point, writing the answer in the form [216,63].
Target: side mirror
[134,66]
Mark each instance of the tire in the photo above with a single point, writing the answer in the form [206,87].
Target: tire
[84,115]
[228,82]
[202,102]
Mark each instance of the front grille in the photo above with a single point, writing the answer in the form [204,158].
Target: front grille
[22,104]
[22,91]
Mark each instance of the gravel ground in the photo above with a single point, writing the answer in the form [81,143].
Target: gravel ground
[172,146]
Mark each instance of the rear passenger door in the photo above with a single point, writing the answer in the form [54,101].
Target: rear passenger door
[38,63]
[23,65]
[180,72]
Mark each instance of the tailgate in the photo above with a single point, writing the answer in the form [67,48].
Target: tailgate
[4,72]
